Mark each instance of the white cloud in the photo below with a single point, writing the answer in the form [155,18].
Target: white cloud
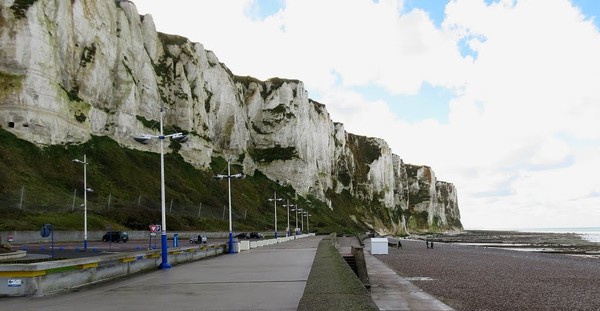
[522,138]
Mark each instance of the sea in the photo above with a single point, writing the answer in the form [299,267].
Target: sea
[588,233]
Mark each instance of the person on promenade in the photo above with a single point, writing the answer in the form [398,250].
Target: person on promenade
[399,244]
[427,243]
[431,244]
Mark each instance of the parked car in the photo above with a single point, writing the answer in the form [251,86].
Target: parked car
[256,235]
[243,235]
[200,239]
[115,236]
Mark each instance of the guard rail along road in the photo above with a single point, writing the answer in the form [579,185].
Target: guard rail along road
[50,277]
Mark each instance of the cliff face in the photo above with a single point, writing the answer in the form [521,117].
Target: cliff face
[72,69]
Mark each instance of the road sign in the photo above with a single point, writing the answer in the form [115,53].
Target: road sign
[154,228]
[15,283]
[46,230]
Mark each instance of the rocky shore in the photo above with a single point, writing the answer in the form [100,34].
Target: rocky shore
[507,271]
[545,242]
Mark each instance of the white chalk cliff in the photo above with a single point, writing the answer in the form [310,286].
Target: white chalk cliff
[73,69]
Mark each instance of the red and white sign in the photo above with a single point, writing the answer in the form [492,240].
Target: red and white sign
[154,228]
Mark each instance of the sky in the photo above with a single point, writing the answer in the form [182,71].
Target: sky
[501,98]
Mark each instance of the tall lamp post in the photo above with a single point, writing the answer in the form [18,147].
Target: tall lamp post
[302,220]
[85,191]
[274,200]
[288,205]
[296,209]
[144,140]
[229,177]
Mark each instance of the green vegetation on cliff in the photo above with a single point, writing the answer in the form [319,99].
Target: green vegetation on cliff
[44,185]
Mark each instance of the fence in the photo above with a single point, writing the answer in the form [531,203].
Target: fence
[22,199]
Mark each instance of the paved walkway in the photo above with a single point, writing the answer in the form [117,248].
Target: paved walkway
[267,278]
[389,290]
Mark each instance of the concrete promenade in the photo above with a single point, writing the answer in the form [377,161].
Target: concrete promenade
[267,278]
[389,290]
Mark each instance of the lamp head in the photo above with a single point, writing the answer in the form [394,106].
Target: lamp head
[143,139]
[179,137]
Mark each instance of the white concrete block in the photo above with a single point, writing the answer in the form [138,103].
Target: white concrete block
[244,245]
[379,246]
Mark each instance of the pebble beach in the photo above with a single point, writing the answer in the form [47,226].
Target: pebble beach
[469,277]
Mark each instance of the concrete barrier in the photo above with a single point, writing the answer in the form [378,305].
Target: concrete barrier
[49,277]
[253,244]
[13,255]
[244,245]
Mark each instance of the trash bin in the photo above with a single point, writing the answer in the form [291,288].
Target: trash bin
[176,240]
[235,245]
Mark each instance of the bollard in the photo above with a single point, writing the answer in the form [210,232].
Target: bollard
[176,240]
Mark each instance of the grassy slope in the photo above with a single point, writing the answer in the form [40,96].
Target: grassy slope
[131,178]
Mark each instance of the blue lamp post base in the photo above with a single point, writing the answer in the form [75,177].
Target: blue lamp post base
[230,242]
[165,262]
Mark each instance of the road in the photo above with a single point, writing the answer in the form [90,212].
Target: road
[95,248]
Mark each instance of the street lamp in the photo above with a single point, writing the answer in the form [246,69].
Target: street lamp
[296,228]
[288,205]
[144,140]
[229,177]
[302,220]
[275,199]
[85,191]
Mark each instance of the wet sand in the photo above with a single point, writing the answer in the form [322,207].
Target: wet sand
[493,278]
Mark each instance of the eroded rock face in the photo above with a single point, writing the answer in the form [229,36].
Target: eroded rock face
[72,69]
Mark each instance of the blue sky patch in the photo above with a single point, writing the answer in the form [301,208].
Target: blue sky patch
[463,45]
[434,8]
[430,103]
[261,9]
[589,8]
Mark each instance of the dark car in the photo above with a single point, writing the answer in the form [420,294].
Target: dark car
[115,236]
[256,235]
[243,235]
